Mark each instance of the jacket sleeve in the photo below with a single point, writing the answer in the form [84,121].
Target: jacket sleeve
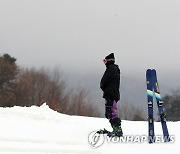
[105,79]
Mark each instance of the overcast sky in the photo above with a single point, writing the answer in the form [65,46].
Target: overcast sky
[78,34]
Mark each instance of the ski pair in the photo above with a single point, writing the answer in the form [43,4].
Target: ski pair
[153,88]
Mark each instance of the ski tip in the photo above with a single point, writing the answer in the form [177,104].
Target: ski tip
[154,72]
[148,70]
[151,69]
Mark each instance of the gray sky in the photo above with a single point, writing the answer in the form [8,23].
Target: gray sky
[77,34]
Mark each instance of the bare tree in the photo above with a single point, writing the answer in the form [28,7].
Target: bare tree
[130,112]
[36,86]
[57,98]
[81,104]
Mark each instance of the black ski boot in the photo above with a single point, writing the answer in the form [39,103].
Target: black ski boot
[116,125]
[117,131]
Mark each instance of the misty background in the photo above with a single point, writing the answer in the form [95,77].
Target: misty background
[76,35]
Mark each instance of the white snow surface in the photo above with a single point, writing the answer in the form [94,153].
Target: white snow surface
[40,130]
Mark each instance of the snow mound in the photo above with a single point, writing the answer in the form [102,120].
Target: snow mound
[31,130]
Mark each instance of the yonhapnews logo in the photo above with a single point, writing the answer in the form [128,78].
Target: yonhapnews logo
[96,140]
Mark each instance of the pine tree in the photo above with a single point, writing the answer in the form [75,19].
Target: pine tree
[172,106]
[8,72]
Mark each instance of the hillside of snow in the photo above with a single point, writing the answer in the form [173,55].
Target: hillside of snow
[40,130]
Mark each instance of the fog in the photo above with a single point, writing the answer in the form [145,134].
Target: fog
[77,34]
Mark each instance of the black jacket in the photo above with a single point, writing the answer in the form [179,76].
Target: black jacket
[110,82]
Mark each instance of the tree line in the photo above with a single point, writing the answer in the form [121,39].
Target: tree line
[31,86]
[27,87]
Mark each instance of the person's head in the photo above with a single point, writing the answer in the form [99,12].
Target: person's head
[109,59]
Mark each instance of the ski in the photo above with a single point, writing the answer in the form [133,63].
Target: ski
[149,83]
[160,107]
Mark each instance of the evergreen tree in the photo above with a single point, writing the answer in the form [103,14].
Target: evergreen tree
[8,72]
[172,106]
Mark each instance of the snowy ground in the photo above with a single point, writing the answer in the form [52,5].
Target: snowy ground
[40,130]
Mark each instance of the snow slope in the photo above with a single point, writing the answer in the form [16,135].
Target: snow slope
[40,130]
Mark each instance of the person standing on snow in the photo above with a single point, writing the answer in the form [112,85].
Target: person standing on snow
[110,84]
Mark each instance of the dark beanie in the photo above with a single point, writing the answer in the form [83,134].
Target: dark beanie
[110,57]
